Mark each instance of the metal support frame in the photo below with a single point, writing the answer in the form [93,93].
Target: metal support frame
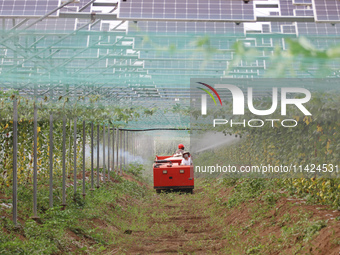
[108,152]
[38,20]
[121,151]
[127,147]
[64,163]
[124,148]
[88,16]
[133,146]
[15,156]
[35,163]
[104,174]
[51,161]
[48,14]
[40,52]
[92,157]
[75,158]
[117,149]
[113,149]
[86,5]
[84,142]
[98,156]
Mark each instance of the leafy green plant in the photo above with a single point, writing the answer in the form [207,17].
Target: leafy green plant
[135,169]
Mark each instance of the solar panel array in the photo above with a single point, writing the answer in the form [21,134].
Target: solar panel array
[186,10]
[186,27]
[304,2]
[304,12]
[143,62]
[27,7]
[327,10]
[313,29]
[296,8]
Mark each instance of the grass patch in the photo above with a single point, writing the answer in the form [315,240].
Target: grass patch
[84,226]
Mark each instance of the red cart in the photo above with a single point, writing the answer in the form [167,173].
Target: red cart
[168,174]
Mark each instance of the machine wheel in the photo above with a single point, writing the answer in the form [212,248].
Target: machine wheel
[158,191]
[189,191]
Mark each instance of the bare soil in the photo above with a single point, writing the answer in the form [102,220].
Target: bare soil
[200,223]
[196,224]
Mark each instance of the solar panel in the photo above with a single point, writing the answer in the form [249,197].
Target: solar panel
[276,27]
[296,8]
[287,8]
[59,24]
[27,7]
[203,10]
[288,29]
[327,10]
[304,2]
[266,28]
[317,29]
[176,27]
[79,5]
[304,12]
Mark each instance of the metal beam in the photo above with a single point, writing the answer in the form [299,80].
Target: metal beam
[88,15]
[104,4]
[285,19]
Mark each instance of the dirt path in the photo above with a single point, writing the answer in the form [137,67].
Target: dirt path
[177,224]
[200,223]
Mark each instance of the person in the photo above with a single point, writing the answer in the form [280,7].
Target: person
[186,161]
[179,152]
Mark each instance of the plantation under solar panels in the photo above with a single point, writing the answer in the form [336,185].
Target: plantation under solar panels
[187,10]
[155,58]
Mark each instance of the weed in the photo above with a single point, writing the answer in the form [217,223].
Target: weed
[270,197]
[255,250]
[285,220]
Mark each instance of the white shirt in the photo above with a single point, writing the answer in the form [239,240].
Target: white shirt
[186,162]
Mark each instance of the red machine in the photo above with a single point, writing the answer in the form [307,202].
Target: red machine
[169,174]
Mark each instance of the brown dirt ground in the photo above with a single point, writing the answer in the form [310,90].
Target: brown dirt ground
[192,230]
[200,235]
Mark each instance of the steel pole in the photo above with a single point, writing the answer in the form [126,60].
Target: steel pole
[51,160]
[35,163]
[104,153]
[117,147]
[92,156]
[121,152]
[127,146]
[64,162]
[113,149]
[84,141]
[108,152]
[15,157]
[133,145]
[124,148]
[98,156]
[69,151]
[75,157]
